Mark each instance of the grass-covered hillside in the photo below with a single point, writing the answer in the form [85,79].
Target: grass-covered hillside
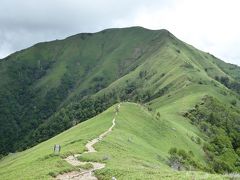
[137,148]
[185,116]
[37,81]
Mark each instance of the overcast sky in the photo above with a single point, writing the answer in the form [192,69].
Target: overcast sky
[210,25]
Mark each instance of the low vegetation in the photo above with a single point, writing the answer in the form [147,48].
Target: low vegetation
[220,125]
[63,92]
[181,160]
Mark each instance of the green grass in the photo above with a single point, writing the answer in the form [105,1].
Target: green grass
[136,148]
[115,55]
[39,161]
[86,166]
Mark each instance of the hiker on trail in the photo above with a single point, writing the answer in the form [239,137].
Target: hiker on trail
[57,148]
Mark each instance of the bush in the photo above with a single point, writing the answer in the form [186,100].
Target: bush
[172,151]
[187,65]
[183,153]
[86,166]
[181,160]
[149,109]
[198,140]
[238,151]
[220,123]
[204,126]
[234,102]
[221,166]
[53,174]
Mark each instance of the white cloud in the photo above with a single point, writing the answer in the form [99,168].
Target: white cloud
[211,25]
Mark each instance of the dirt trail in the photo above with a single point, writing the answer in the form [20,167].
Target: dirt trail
[73,159]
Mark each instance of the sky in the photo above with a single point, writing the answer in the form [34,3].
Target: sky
[210,25]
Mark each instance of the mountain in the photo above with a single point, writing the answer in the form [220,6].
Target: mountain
[38,81]
[186,110]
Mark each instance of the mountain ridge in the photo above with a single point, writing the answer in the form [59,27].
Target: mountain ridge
[50,87]
[51,78]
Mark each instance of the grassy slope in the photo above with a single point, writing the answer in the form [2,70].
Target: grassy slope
[101,52]
[107,55]
[116,56]
[139,140]
[136,148]
[182,69]
[38,161]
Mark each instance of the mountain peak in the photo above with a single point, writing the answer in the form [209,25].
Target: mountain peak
[50,87]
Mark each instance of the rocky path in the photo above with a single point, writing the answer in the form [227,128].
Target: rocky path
[84,174]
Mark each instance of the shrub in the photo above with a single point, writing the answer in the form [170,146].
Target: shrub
[204,126]
[183,153]
[86,166]
[187,65]
[234,102]
[53,174]
[172,151]
[149,109]
[238,151]
[142,74]
[181,160]
[220,123]
[221,166]
[198,140]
